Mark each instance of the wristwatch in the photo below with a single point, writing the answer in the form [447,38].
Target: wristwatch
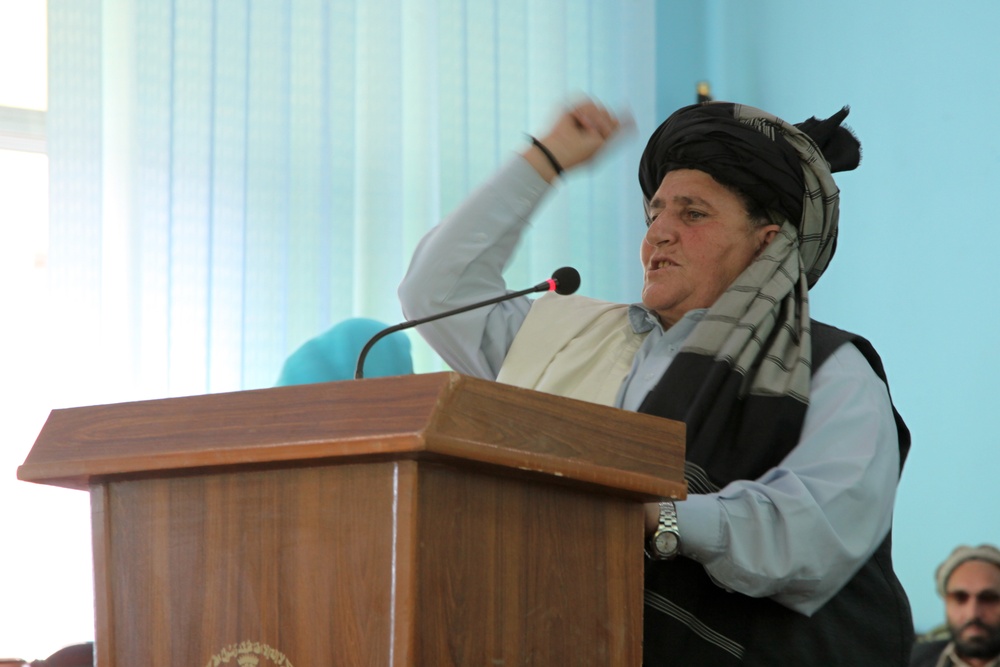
[665,541]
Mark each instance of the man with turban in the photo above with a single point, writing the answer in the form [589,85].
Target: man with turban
[781,553]
[969,582]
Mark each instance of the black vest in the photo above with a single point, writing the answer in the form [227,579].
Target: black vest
[690,621]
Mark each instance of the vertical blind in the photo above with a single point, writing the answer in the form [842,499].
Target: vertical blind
[230,178]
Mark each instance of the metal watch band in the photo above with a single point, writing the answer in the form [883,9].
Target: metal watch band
[666,533]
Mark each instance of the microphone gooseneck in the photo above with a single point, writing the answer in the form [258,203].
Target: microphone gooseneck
[563,281]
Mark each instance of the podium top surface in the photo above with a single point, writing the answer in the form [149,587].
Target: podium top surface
[431,416]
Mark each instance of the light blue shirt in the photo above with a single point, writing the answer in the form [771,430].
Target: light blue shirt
[798,533]
[653,357]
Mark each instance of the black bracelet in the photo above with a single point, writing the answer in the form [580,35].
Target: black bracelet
[548,154]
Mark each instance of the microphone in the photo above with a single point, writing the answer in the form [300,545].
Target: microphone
[563,281]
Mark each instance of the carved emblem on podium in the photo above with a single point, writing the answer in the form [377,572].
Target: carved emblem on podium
[249,654]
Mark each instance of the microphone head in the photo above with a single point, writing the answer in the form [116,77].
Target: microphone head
[567,280]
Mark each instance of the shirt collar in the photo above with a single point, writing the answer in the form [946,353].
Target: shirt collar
[955,661]
[643,319]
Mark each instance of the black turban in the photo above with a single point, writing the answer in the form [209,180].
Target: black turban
[752,157]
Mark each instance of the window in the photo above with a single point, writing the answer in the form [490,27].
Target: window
[47,582]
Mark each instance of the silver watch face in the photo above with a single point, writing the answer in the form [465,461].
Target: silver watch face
[665,543]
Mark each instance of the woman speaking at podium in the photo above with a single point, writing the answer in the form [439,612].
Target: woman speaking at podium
[781,554]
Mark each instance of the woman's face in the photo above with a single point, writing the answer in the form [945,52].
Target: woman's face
[699,240]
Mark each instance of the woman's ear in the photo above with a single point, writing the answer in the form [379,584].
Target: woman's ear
[765,235]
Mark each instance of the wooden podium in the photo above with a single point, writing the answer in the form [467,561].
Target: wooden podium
[429,520]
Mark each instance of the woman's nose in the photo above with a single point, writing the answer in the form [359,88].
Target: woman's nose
[659,232]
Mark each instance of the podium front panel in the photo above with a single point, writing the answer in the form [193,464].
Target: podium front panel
[279,565]
[398,562]
[515,572]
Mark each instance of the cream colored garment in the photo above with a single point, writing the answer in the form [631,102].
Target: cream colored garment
[572,346]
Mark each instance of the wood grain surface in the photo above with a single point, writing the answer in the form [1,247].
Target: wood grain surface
[430,520]
[439,414]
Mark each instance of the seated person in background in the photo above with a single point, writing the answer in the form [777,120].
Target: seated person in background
[781,553]
[77,655]
[969,582]
[333,355]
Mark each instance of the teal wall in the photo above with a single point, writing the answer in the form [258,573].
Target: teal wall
[919,229]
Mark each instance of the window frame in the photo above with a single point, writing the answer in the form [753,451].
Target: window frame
[22,130]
